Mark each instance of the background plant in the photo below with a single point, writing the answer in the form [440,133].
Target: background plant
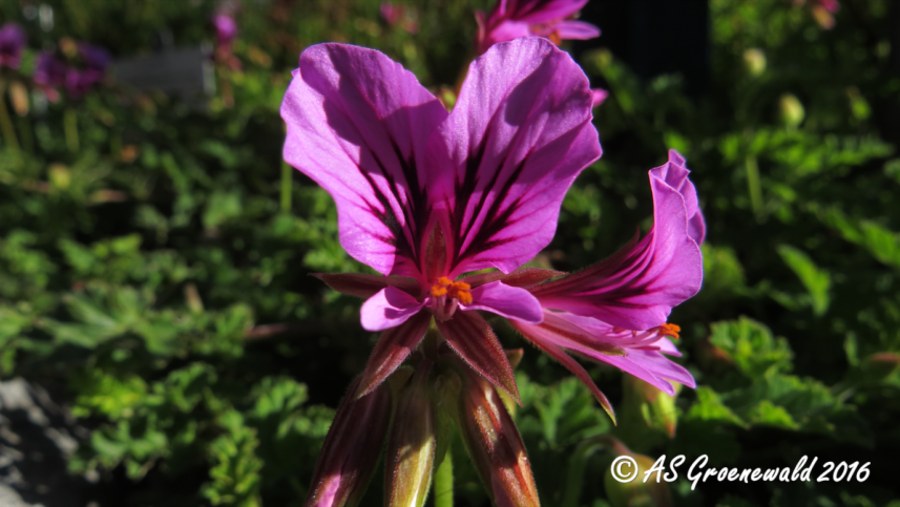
[155,278]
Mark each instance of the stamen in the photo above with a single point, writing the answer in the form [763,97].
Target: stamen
[671,330]
[460,291]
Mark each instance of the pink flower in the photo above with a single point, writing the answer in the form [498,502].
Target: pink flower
[94,62]
[50,74]
[226,28]
[512,19]
[398,16]
[427,197]
[12,41]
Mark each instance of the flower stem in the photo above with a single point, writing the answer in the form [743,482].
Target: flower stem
[754,187]
[286,186]
[70,127]
[443,481]
[9,133]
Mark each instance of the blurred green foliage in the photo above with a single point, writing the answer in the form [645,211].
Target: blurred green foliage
[156,278]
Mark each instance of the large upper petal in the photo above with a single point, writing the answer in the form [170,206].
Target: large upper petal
[637,287]
[357,124]
[518,136]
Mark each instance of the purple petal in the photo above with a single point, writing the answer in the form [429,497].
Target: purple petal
[637,287]
[506,301]
[636,353]
[473,340]
[357,124]
[392,348]
[519,135]
[576,30]
[652,367]
[388,308]
[544,11]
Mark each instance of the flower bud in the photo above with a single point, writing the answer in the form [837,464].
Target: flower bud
[654,492]
[754,61]
[791,110]
[495,446]
[646,407]
[351,448]
[411,445]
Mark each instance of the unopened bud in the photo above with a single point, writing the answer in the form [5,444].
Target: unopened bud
[495,446]
[646,407]
[754,61]
[791,110]
[351,448]
[411,445]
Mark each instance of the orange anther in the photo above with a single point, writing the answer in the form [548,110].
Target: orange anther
[455,290]
[671,330]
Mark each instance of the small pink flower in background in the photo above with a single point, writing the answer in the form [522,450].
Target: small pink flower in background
[822,11]
[598,96]
[12,41]
[512,19]
[226,28]
[831,6]
[398,16]
[80,79]
[50,74]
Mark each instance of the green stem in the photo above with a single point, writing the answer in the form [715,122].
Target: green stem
[6,125]
[287,183]
[754,187]
[70,127]
[443,481]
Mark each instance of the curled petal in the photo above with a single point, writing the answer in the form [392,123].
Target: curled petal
[392,348]
[351,449]
[495,446]
[507,301]
[518,136]
[637,287]
[470,336]
[388,308]
[640,354]
[357,123]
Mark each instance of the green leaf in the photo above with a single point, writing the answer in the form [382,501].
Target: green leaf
[816,281]
[751,346]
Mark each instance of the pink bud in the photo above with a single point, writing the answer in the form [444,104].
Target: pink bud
[351,448]
[495,446]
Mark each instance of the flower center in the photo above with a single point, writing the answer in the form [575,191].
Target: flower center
[454,290]
[669,329]
[447,295]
